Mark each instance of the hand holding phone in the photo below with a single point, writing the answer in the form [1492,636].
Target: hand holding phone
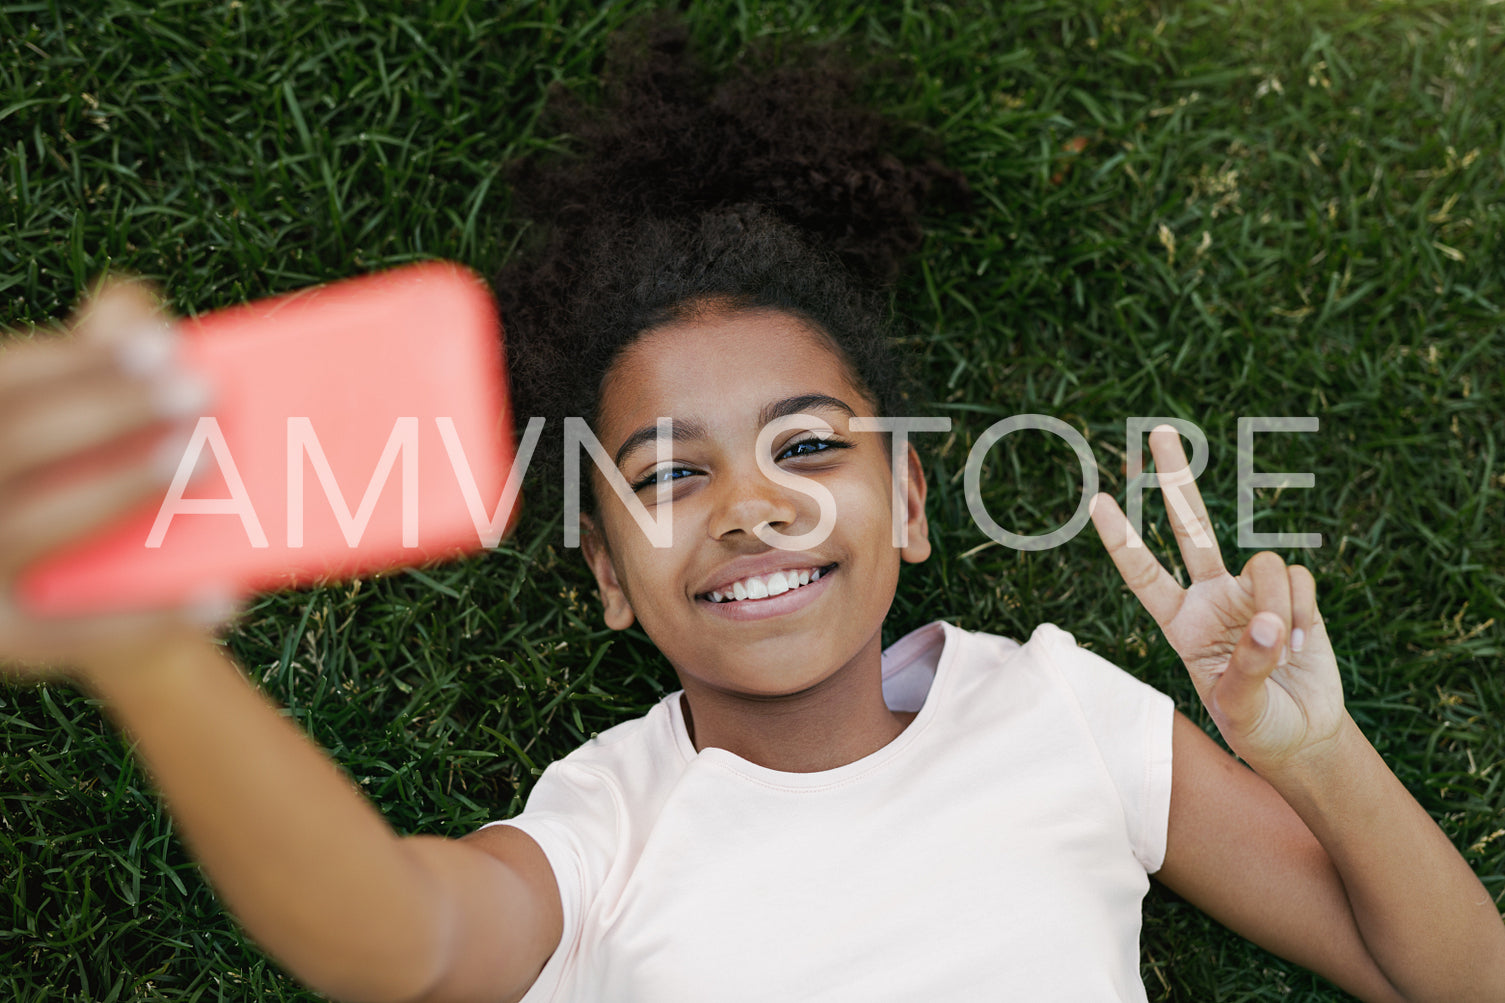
[78,427]
[352,428]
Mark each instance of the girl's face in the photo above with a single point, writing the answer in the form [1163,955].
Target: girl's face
[722,378]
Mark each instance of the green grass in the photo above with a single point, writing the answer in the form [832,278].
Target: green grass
[1328,174]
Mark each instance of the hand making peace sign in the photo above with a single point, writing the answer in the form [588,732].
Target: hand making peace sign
[1255,645]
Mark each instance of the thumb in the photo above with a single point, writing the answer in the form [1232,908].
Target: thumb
[1239,696]
[117,308]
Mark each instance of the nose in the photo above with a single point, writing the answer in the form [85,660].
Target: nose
[745,498]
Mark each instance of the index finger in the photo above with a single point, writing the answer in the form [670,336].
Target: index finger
[117,307]
[1183,502]
[117,328]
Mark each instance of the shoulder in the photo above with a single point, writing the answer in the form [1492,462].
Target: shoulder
[978,648]
[1048,685]
[612,769]
[1093,682]
[579,813]
[1050,656]
[648,735]
[1104,732]
[946,662]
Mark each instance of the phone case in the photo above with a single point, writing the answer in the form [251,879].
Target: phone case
[355,427]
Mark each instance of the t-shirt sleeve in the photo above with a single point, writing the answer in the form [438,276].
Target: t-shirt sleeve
[1130,721]
[572,815]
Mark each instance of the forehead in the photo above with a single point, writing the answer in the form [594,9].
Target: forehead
[721,363]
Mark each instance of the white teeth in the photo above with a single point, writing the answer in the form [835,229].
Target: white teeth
[765,587]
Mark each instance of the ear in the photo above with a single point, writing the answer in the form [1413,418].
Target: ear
[616,609]
[918,547]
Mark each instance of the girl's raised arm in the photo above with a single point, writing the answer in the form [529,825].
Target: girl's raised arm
[304,861]
[300,857]
[1324,857]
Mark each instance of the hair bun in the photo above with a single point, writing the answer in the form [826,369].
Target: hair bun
[669,139]
[772,187]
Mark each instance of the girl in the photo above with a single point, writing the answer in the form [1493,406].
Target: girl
[810,817]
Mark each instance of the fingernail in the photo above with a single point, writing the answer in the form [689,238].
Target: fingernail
[1298,638]
[213,608]
[147,349]
[1264,632]
[180,395]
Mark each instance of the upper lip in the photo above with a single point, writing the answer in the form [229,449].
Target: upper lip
[758,566]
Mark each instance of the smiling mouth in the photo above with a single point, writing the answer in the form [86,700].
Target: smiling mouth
[756,587]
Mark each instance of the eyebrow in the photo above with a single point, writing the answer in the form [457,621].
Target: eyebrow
[800,404]
[684,431]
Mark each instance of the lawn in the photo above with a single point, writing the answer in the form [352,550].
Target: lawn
[1197,210]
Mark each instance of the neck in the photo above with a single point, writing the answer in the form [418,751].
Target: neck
[837,721]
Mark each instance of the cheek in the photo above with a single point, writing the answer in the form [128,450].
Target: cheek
[864,510]
[643,570]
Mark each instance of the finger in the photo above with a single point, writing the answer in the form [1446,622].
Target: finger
[54,422]
[39,647]
[119,307]
[1266,576]
[1239,699]
[1303,605]
[48,516]
[126,319]
[118,326]
[1188,516]
[1146,578]
[49,361]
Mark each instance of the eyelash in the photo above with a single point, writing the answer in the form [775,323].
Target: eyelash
[787,452]
[823,444]
[653,477]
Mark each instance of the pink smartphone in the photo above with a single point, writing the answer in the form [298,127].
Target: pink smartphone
[355,427]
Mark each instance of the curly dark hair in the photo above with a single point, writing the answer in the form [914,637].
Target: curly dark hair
[773,187]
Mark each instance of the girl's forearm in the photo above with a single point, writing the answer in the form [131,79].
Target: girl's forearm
[296,852]
[1425,917]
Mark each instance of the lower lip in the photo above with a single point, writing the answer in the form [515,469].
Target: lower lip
[779,605]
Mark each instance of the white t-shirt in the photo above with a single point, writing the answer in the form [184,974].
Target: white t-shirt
[997,849]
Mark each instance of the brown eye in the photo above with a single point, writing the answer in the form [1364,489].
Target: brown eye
[810,447]
[662,474]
